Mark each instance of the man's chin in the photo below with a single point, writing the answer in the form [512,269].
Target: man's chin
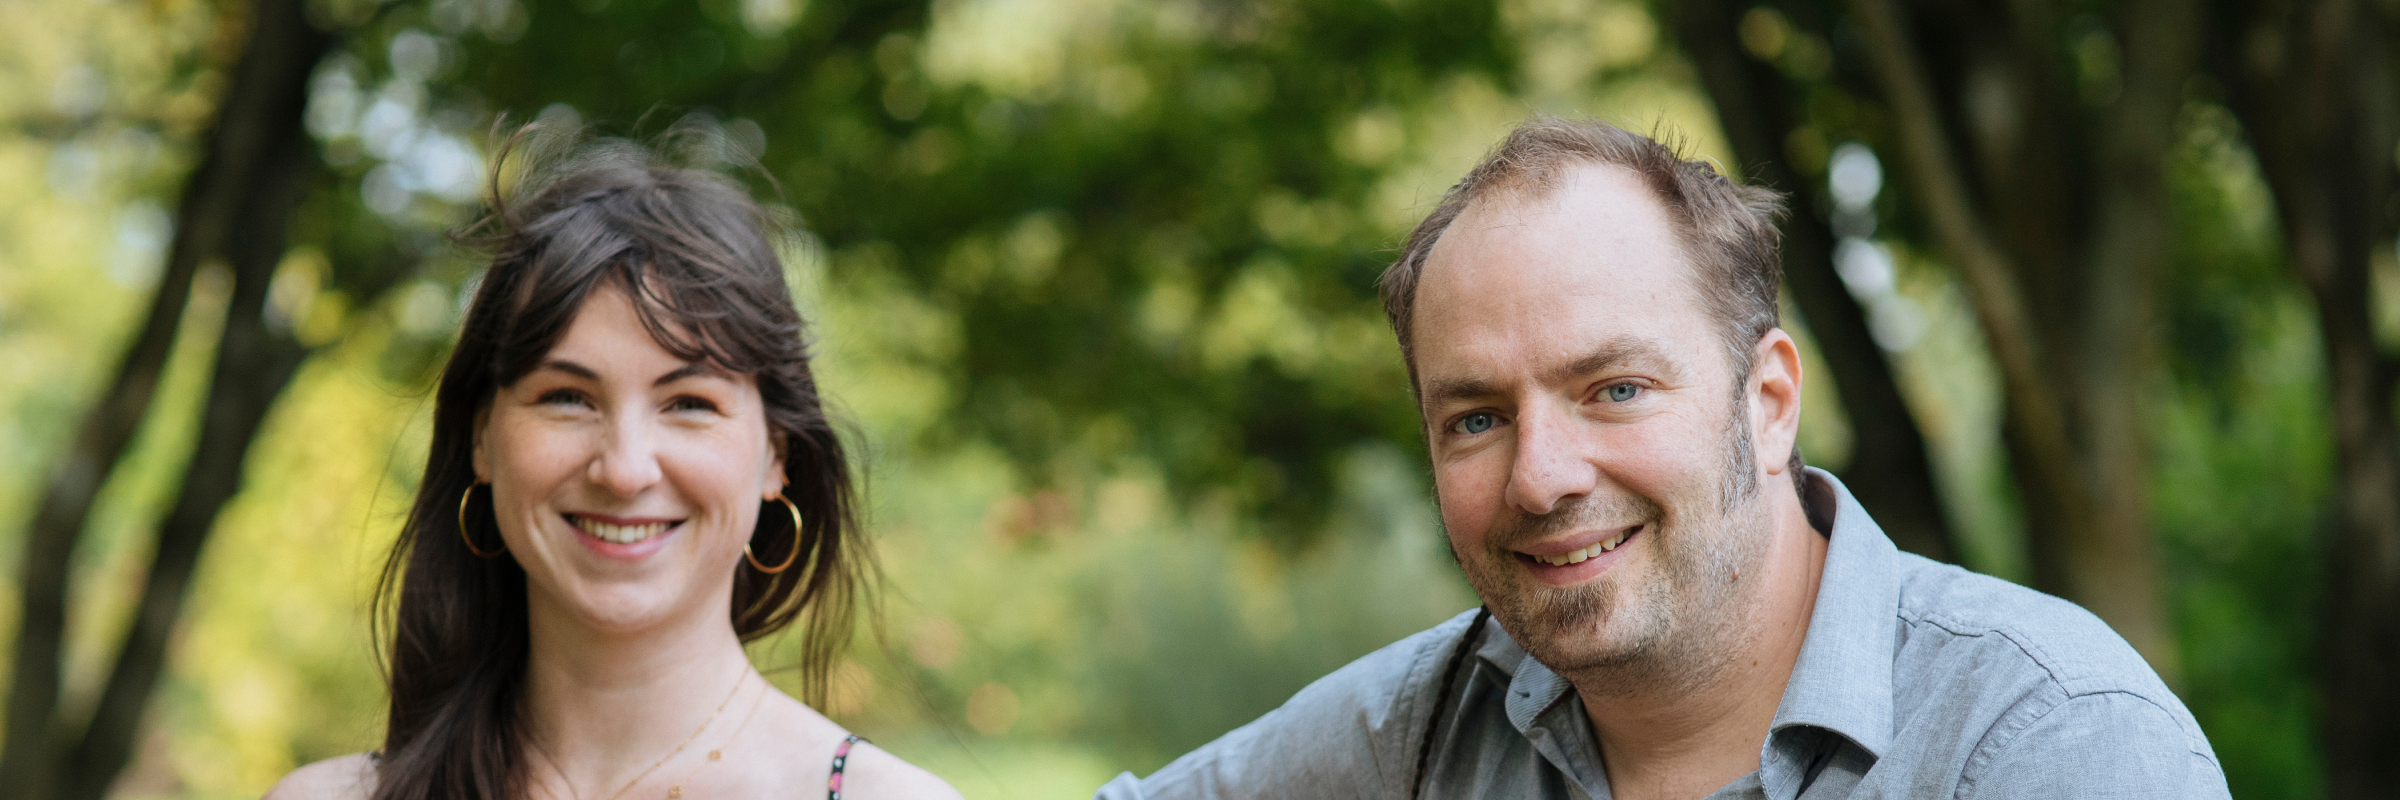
[1567,629]
[1572,655]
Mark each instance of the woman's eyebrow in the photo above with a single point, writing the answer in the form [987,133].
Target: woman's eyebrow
[694,369]
[571,368]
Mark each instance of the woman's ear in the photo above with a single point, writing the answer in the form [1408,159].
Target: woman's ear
[778,444]
[483,456]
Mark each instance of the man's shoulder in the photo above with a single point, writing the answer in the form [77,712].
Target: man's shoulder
[1399,668]
[2010,625]
[1342,735]
[1374,694]
[1978,646]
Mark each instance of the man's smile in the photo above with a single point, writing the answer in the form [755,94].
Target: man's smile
[1569,560]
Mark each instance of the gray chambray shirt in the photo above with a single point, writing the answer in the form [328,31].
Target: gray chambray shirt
[1917,679]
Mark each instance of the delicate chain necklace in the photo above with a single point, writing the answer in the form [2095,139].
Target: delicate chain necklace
[675,792]
[687,741]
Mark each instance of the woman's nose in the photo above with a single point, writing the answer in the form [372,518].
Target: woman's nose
[627,462]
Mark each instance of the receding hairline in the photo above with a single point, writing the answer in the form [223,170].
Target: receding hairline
[1546,192]
[1720,224]
[1539,189]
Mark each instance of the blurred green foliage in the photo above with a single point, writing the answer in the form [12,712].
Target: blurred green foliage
[1092,280]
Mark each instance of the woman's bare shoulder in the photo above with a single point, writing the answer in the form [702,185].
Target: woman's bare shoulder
[872,774]
[350,777]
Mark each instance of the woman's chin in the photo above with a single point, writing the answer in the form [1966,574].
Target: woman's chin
[626,615]
[619,607]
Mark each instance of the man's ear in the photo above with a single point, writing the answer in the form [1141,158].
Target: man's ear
[1775,382]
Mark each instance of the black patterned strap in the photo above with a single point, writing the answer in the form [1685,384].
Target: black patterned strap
[841,757]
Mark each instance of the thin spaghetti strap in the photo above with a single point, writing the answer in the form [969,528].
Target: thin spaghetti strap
[841,756]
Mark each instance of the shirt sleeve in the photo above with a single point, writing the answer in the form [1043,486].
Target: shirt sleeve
[1341,737]
[2103,745]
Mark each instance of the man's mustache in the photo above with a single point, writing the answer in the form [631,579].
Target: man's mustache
[1581,513]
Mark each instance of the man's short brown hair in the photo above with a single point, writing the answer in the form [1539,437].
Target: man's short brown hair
[1727,230]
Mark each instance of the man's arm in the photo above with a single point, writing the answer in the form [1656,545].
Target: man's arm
[2105,744]
[1343,736]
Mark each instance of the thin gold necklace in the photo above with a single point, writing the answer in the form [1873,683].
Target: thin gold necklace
[687,741]
[675,792]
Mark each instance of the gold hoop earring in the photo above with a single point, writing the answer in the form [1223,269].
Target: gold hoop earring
[463,497]
[788,558]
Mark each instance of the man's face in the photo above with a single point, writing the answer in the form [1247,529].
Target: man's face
[1590,442]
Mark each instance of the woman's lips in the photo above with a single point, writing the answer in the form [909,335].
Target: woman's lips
[622,538]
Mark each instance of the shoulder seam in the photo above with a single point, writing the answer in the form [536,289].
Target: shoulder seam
[2004,732]
[1954,627]
[1988,748]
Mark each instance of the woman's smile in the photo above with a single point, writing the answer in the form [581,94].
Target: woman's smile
[620,530]
[621,538]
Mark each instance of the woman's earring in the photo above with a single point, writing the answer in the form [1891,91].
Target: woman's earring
[788,558]
[462,526]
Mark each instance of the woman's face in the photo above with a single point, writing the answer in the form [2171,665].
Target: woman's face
[626,480]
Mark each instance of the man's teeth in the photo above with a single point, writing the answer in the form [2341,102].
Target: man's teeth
[619,534]
[1587,553]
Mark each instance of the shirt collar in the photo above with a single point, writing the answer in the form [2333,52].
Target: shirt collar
[1532,687]
[1843,679]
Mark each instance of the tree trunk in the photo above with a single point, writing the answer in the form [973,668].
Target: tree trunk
[2059,234]
[2114,571]
[235,205]
[1888,468]
[2314,85]
[254,364]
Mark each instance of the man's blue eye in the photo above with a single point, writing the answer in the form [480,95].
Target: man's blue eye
[1477,423]
[1623,392]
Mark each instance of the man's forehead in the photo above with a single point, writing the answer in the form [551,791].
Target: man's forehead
[1602,218]
[1596,254]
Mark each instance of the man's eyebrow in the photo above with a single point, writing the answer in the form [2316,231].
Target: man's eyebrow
[1643,353]
[1617,352]
[1451,390]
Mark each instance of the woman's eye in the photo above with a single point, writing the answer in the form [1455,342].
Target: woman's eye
[562,397]
[1623,392]
[690,404]
[1477,422]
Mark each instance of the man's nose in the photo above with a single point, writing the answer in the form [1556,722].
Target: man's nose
[628,461]
[1551,464]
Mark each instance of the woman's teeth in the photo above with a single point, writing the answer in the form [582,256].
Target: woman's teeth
[1587,553]
[619,534]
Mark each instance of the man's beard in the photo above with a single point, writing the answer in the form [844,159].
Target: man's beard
[1675,629]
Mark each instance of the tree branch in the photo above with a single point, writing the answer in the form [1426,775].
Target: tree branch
[1888,468]
[244,177]
[1941,190]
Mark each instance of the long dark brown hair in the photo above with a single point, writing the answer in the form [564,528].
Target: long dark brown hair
[696,254]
